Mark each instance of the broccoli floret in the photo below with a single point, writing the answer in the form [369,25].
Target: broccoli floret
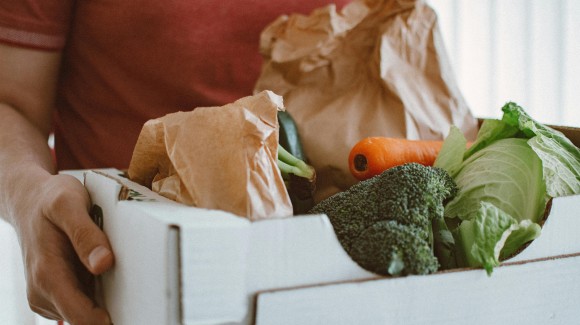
[410,195]
[397,249]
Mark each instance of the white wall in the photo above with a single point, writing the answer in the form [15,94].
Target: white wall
[13,305]
[527,51]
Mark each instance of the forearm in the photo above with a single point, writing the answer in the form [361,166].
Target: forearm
[25,158]
[48,212]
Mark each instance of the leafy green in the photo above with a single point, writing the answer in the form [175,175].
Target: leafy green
[505,179]
[492,233]
[489,132]
[560,157]
[507,174]
[444,244]
[451,155]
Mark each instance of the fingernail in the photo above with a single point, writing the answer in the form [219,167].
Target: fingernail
[97,255]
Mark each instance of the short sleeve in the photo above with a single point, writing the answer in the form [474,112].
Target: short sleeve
[42,24]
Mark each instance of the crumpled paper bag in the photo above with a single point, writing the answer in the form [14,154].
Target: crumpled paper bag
[376,68]
[221,158]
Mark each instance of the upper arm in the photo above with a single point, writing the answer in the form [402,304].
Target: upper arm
[28,80]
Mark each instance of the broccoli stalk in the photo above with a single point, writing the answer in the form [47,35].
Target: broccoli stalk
[386,223]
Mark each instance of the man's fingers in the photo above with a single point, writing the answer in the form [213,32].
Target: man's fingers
[68,210]
[75,307]
[48,314]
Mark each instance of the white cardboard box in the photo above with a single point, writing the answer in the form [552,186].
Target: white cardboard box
[184,265]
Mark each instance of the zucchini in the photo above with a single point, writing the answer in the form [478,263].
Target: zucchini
[289,139]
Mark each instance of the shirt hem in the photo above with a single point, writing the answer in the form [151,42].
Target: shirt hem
[31,39]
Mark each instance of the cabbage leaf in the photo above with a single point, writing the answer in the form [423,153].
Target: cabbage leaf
[505,179]
[490,234]
[560,157]
[507,174]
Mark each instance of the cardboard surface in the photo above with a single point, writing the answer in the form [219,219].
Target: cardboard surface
[559,233]
[541,292]
[138,281]
[183,265]
[222,260]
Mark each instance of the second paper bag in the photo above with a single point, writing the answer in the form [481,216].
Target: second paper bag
[374,68]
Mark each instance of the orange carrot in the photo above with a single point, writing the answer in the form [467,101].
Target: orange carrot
[371,156]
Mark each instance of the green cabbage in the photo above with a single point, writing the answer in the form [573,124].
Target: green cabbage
[507,174]
[492,234]
[505,179]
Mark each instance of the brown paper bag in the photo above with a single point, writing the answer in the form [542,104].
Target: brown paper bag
[217,158]
[376,68]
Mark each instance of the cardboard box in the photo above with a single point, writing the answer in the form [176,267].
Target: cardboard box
[184,265]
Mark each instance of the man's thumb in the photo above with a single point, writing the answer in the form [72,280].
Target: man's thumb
[100,259]
[68,211]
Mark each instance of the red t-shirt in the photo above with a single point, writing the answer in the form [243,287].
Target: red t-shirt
[126,62]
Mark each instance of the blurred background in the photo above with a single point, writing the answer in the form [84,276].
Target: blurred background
[526,51]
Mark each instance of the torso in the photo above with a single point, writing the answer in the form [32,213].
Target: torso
[130,61]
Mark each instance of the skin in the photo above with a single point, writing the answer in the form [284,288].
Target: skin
[61,247]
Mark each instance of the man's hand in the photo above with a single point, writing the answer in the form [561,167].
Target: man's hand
[61,247]
[62,250]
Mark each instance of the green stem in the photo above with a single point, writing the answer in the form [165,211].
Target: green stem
[289,164]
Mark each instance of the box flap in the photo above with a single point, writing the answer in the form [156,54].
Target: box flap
[211,263]
[213,270]
[140,276]
[559,233]
[539,292]
[298,251]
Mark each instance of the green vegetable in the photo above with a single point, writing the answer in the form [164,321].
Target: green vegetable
[385,223]
[300,180]
[289,137]
[397,249]
[560,157]
[505,180]
[298,175]
[507,174]
[289,164]
[492,234]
